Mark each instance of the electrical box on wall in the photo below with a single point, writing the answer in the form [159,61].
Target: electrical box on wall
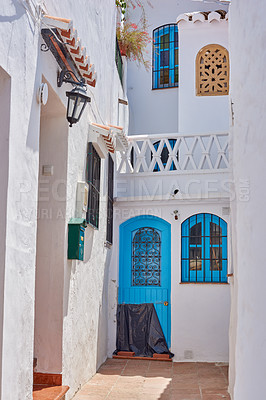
[82,199]
[76,231]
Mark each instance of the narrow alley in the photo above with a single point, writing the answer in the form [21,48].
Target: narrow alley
[156,380]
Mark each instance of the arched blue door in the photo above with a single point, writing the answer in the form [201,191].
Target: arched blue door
[145,266]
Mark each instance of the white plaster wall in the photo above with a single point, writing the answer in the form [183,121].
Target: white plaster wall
[247,36]
[84,341]
[200,113]
[199,312]
[5,91]
[83,303]
[51,234]
[161,185]
[157,111]
[19,57]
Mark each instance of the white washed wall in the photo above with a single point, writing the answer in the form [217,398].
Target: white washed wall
[199,312]
[248,321]
[200,113]
[85,301]
[19,49]
[157,111]
[82,307]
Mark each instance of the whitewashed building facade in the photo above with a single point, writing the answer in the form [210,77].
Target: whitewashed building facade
[182,180]
[54,309]
[177,169]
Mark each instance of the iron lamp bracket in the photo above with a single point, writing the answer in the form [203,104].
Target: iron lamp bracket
[66,76]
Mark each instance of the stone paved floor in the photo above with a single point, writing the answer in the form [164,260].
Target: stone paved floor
[156,380]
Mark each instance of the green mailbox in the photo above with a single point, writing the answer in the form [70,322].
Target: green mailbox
[76,230]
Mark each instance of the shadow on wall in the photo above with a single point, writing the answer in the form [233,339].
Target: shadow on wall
[103,317]
[35,110]
[51,234]
[5,98]
[19,11]
[71,266]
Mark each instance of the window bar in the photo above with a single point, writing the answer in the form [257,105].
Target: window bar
[220,258]
[196,252]
[211,252]
[146,260]
[204,248]
[189,240]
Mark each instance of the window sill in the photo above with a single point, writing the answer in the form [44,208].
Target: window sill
[92,226]
[163,88]
[203,283]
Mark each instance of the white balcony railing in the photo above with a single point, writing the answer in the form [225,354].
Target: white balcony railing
[175,153]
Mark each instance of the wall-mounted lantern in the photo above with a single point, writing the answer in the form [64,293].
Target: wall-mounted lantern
[77,97]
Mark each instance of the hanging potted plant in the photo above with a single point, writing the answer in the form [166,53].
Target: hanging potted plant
[132,38]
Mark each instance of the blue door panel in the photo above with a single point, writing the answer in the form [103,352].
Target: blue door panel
[157,295]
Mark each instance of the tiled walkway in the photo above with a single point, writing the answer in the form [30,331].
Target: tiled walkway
[156,380]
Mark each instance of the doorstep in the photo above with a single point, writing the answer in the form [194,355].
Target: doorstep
[131,356]
[44,392]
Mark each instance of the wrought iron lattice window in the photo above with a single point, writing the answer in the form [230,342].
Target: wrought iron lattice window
[165,155]
[165,57]
[212,71]
[204,249]
[146,257]
[110,200]
[93,172]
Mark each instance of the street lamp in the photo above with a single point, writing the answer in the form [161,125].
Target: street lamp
[77,97]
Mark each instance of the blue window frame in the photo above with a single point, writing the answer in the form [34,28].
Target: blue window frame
[204,249]
[165,57]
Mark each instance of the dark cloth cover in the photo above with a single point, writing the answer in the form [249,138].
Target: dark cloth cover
[139,330]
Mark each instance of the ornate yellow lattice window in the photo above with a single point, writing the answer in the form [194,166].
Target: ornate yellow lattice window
[212,71]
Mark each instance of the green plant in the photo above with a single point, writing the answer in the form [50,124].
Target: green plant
[132,42]
[133,38]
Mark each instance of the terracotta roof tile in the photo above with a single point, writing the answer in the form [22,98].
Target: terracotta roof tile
[78,53]
[203,16]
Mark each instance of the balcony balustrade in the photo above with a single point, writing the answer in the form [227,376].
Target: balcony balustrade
[175,154]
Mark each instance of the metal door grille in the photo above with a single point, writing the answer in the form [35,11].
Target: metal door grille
[146,257]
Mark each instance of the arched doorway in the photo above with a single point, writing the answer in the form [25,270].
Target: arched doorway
[145,266]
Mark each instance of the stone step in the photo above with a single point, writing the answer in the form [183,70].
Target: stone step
[48,387]
[162,357]
[45,392]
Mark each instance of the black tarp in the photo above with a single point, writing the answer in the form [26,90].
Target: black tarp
[139,330]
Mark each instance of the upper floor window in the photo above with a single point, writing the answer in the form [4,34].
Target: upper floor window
[93,172]
[212,71]
[204,249]
[165,57]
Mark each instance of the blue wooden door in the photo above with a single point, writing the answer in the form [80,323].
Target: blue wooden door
[145,266]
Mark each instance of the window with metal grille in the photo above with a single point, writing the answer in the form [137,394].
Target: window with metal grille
[204,249]
[110,200]
[93,172]
[212,71]
[146,257]
[165,57]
